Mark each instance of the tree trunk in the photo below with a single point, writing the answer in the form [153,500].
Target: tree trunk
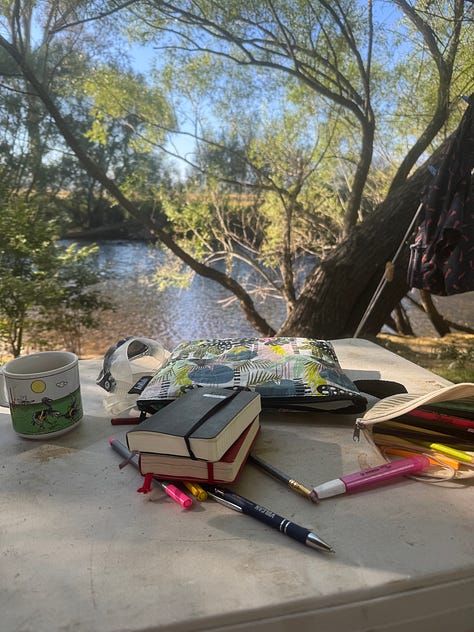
[336,294]
[401,321]
[360,177]
[438,322]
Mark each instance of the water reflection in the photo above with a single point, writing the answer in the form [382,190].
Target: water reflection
[171,315]
[458,309]
[174,315]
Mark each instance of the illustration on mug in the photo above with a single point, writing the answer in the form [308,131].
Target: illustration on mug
[48,415]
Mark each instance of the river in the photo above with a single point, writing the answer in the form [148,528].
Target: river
[202,310]
[170,315]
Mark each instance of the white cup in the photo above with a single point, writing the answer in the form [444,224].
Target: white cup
[43,393]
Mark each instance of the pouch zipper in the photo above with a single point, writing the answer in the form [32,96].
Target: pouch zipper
[357,428]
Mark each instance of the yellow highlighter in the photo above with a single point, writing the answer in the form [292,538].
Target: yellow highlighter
[444,449]
[434,461]
[196,490]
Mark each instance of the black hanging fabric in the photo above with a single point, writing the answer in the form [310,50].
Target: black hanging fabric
[442,256]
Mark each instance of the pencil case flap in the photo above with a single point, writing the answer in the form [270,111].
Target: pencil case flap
[394,406]
[285,371]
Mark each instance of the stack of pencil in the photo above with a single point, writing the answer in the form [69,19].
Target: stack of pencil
[447,438]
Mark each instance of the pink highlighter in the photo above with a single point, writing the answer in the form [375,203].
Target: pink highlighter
[372,477]
[176,494]
[173,492]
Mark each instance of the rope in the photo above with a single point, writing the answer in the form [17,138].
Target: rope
[387,275]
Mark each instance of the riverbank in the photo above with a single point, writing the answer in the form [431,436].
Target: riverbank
[205,309]
[452,356]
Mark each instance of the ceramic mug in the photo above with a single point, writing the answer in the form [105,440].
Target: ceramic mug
[43,393]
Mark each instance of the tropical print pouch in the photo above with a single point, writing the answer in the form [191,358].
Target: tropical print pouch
[287,372]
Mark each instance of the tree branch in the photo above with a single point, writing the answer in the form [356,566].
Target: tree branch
[445,71]
[64,24]
[155,229]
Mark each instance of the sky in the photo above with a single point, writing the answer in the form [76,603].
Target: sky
[143,57]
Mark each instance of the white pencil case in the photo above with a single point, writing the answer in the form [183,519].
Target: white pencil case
[391,408]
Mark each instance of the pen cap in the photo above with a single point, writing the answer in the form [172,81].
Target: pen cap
[385,472]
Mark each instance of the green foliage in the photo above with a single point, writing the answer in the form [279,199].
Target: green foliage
[413,81]
[43,286]
[265,199]
[280,101]
[172,273]
[459,363]
[125,96]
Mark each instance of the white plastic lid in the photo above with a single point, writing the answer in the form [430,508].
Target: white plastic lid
[124,364]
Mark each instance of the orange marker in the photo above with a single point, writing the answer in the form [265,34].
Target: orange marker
[443,459]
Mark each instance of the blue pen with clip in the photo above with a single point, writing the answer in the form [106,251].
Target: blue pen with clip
[244,505]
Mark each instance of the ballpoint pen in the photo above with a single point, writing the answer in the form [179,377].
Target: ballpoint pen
[429,428]
[463,408]
[395,440]
[442,427]
[244,505]
[291,483]
[415,436]
[172,491]
[371,477]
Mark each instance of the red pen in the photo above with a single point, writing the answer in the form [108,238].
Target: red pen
[173,492]
[121,421]
[442,417]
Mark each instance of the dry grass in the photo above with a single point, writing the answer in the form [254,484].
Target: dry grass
[452,356]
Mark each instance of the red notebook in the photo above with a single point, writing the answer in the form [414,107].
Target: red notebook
[181,468]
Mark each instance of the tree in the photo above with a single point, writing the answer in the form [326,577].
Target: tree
[82,149]
[326,48]
[321,50]
[268,37]
[257,204]
[35,158]
[43,286]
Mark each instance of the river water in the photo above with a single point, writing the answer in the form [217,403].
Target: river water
[202,311]
[171,315]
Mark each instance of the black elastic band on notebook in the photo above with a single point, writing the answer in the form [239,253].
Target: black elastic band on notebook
[218,404]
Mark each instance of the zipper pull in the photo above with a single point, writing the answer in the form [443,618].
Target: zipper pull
[356,433]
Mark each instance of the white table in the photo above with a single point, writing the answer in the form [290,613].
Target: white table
[82,551]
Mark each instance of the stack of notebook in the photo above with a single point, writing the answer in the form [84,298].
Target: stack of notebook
[204,436]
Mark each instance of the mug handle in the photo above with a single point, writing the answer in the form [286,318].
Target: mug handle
[3,389]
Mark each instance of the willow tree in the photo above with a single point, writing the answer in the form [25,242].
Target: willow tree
[333,50]
[327,48]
